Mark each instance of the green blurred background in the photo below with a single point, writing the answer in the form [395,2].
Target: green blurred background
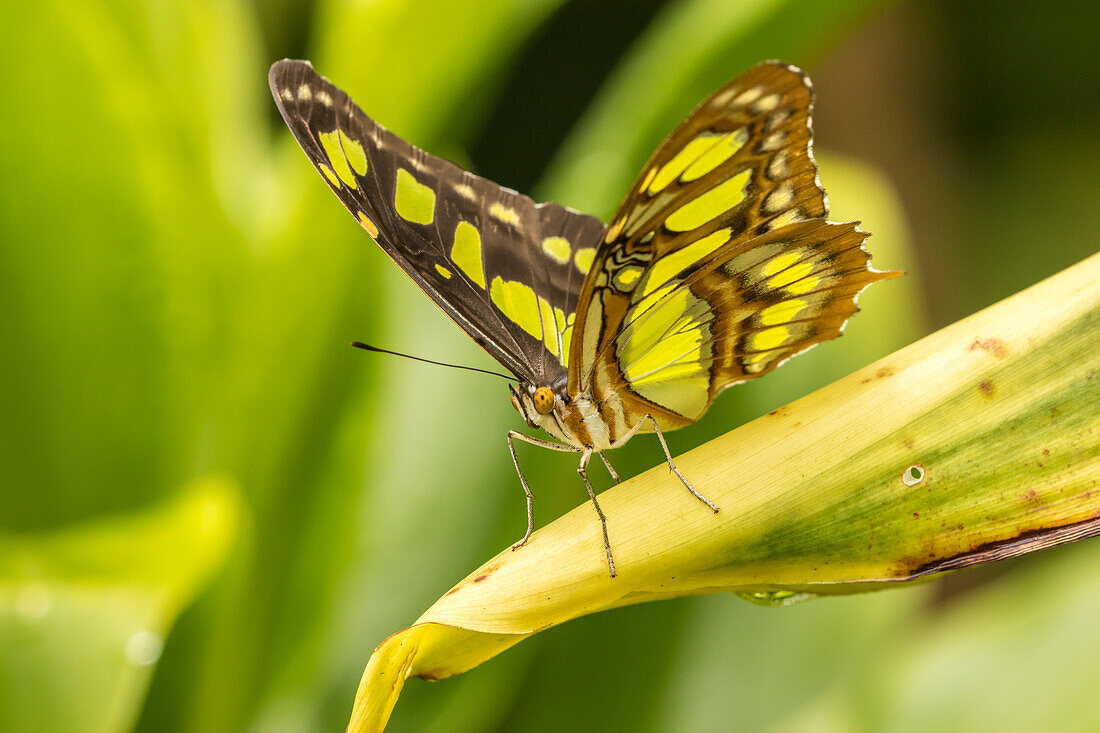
[212,509]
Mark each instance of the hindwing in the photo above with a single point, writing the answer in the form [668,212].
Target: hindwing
[506,269]
[719,263]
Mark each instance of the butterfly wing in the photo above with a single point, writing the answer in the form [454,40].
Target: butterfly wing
[505,269]
[719,264]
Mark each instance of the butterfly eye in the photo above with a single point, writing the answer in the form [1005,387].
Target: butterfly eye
[544,400]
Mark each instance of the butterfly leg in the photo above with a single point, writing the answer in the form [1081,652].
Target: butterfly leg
[672,466]
[512,434]
[583,471]
[610,470]
[668,457]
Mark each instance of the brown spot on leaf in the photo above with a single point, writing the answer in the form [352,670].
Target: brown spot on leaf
[882,373]
[480,578]
[993,345]
[986,388]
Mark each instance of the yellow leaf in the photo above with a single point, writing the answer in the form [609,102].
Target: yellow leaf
[979,442]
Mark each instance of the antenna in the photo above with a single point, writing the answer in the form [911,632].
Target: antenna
[368,347]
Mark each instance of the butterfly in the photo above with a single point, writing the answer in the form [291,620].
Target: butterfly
[718,266]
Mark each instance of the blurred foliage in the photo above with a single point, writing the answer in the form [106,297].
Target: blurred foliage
[84,610]
[179,289]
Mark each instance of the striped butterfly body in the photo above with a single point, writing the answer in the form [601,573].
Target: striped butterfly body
[718,266]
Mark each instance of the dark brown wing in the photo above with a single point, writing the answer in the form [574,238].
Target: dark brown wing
[506,269]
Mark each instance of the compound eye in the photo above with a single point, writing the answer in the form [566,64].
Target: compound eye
[544,400]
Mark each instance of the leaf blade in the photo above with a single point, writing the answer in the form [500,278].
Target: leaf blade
[799,517]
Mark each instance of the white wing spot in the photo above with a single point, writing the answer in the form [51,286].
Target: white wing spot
[465,191]
[774,141]
[766,104]
[287,94]
[776,119]
[304,93]
[723,98]
[780,198]
[748,97]
[324,98]
[777,166]
[790,216]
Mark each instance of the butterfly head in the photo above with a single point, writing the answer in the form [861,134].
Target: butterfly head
[538,404]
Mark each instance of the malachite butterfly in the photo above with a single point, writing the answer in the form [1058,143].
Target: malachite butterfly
[718,266]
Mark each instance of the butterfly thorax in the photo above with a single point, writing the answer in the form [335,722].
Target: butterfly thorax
[579,420]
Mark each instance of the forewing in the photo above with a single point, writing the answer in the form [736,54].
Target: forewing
[504,268]
[683,279]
